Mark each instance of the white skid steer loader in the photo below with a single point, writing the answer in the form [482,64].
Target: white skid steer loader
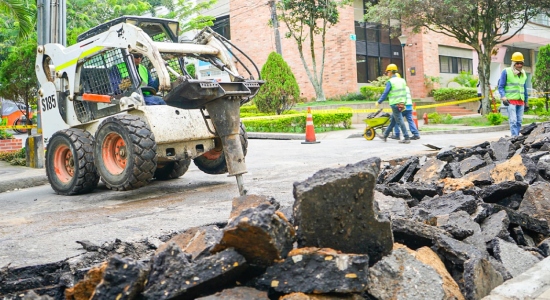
[96,124]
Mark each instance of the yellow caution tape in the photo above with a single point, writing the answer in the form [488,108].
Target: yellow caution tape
[17,126]
[449,103]
[350,110]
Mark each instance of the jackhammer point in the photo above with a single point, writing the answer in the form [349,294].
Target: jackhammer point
[240,184]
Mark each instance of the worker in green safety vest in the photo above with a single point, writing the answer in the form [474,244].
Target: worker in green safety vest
[512,87]
[396,92]
[147,80]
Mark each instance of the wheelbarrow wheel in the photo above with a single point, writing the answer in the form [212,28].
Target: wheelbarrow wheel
[369,133]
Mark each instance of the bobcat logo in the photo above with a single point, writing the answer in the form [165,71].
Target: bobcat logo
[120,31]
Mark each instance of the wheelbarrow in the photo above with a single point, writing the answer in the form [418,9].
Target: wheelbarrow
[376,121]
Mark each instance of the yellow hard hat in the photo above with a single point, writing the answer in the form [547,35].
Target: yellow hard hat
[391,67]
[517,56]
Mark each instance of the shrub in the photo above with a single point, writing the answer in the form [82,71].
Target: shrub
[4,135]
[466,79]
[190,68]
[430,82]
[434,118]
[380,81]
[444,94]
[280,91]
[495,118]
[537,104]
[371,93]
[349,97]
[17,158]
[297,123]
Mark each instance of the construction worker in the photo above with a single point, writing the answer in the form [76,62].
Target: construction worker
[397,94]
[408,115]
[512,87]
[120,81]
[147,81]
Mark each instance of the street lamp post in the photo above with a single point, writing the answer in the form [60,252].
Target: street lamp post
[403,41]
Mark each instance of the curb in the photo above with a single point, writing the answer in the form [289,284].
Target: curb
[21,183]
[301,136]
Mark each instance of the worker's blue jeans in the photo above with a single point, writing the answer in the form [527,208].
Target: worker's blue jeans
[515,117]
[153,100]
[408,115]
[396,115]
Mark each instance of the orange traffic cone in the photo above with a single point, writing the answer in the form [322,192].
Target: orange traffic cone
[415,116]
[310,130]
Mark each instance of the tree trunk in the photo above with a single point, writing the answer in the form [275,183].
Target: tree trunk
[484,69]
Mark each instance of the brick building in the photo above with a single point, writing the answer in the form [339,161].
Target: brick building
[358,52]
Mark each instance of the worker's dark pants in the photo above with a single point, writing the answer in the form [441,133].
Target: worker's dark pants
[396,115]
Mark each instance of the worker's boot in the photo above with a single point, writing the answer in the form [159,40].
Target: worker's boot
[405,141]
[394,137]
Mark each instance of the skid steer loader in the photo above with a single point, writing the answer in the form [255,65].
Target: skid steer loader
[95,122]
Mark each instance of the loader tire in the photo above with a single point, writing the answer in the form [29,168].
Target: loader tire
[70,162]
[125,152]
[219,166]
[172,170]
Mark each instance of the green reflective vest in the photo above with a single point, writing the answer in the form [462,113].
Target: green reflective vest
[515,84]
[398,93]
[142,71]
[409,98]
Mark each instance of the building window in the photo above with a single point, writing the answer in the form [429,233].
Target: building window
[222,26]
[541,19]
[455,65]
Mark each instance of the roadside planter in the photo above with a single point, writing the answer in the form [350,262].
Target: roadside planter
[11,145]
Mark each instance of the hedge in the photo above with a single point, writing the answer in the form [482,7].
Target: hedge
[297,123]
[372,93]
[444,94]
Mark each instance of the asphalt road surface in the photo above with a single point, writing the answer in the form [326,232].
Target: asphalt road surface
[37,226]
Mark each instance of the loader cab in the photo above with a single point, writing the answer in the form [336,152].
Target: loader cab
[110,73]
[160,30]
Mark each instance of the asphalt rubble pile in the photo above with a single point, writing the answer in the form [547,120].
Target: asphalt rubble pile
[453,225]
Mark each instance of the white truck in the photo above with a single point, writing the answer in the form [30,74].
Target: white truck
[95,123]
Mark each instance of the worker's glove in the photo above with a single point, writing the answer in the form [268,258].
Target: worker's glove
[125,84]
[526,107]
[505,101]
[377,104]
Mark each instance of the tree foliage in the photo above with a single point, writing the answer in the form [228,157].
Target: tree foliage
[18,14]
[482,24]
[17,78]
[306,19]
[542,72]
[187,13]
[280,91]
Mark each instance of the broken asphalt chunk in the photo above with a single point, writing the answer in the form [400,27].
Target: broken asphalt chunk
[335,209]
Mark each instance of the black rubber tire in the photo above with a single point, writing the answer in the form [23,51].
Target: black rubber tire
[121,167]
[70,162]
[369,133]
[172,169]
[219,166]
